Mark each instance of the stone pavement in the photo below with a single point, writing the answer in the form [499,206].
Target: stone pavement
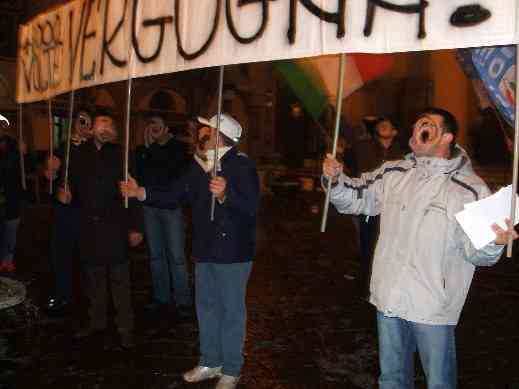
[305,327]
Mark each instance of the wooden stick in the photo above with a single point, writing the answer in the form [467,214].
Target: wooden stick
[51,144]
[340,93]
[69,138]
[20,146]
[217,137]
[127,135]
[516,157]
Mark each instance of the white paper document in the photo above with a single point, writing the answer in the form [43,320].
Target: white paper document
[477,217]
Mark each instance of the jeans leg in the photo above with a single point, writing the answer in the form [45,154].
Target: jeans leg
[97,293]
[8,239]
[208,310]
[437,350]
[175,252]
[158,263]
[232,281]
[64,250]
[121,295]
[396,353]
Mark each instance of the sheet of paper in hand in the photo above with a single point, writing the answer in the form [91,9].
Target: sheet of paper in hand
[477,217]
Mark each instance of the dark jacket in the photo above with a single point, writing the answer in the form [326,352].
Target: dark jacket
[231,237]
[104,222]
[60,153]
[10,180]
[158,165]
[368,154]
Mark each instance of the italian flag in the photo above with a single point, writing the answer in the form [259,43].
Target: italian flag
[315,80]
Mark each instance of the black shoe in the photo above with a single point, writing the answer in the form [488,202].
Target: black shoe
[58,308]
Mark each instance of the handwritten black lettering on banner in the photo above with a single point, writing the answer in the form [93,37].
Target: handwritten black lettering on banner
[89,42]
[86,36]
[205,46]
[108,41]
[264,19]
[42,50]
[418,8]
[160,21]
[330,17]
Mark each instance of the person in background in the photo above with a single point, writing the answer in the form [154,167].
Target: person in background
[366,155]
[160,161]
[106,227]
[223,249]
[11,193]
[65,228]
[424,262]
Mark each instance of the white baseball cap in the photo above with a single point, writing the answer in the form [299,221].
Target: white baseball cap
[228,125]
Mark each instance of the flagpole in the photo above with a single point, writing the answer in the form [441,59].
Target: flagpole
[51,144]
[516,158]
[217,137]
[127,136]
[69,137]
[20,146]
[335,138]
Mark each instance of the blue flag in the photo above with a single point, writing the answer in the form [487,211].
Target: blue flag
[496,68]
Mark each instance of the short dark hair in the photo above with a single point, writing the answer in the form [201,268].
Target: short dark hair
[103,111]
[450,124]
[386,118]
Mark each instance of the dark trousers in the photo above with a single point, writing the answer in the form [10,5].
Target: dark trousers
[118,275]
[368,234]
[64,250]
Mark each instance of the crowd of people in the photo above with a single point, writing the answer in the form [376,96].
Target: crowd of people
[417,263]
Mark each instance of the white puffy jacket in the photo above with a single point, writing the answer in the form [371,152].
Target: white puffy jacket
[424,262]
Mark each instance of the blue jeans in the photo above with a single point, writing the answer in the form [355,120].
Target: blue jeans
[164,230]
[8,231]
[222,313]
[399,339]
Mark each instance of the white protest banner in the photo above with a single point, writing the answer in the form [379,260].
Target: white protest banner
[90,42]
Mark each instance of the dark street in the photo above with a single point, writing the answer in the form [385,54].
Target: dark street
[306,328]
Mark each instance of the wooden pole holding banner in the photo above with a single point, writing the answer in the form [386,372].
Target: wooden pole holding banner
[21,146]
[127,135]
[340,93]
[51,145]
[69,138]
[516,156]
[217,136]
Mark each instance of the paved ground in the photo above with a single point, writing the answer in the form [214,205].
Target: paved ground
[306,329]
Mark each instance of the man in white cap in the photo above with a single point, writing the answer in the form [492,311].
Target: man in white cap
[223,249]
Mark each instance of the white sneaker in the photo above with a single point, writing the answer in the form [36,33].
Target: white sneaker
[202,373]
[227,382]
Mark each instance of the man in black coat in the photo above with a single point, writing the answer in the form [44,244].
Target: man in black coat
[105,226]
[65,227]
[161,160]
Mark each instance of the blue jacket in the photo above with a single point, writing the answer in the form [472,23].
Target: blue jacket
[231,237]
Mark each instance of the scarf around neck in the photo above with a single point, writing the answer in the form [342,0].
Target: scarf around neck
[208,163]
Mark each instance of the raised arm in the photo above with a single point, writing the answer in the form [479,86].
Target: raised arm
[355,195]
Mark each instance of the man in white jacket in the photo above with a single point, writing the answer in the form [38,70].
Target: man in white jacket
[424,262]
